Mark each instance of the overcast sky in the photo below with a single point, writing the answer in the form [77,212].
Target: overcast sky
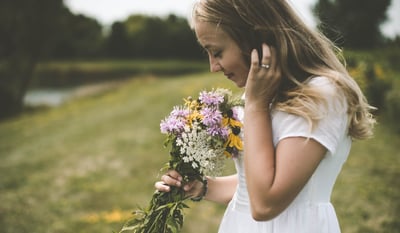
[109,11]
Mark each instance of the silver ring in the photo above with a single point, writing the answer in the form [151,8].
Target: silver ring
[266,66]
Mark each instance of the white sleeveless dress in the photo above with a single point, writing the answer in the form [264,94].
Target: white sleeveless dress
[311,211]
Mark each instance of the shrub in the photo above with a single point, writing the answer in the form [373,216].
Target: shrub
[373,77]
[392,110]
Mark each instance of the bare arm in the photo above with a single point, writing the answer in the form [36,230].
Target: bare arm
[274,176]
[221,189]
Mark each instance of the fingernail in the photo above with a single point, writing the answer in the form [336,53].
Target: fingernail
[178,183]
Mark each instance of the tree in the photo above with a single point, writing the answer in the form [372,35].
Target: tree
[154,37]
[181,39]
[81,37]
[118,45]
[357,21]
[28,30]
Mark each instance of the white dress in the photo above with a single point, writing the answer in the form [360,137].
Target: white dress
[311,211]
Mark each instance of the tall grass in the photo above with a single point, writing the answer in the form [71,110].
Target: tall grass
[83,166]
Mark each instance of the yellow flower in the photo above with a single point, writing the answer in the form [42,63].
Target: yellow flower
[234,141]
[114,216]
[231,122]
[227,154]
[233,144]
[191,104]
[194,116]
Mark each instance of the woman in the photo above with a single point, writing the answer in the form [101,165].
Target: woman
[302,110]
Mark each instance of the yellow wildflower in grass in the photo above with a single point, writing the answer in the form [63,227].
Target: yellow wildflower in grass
[91,218]
[115,215]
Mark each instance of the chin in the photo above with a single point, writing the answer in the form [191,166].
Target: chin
[240,84]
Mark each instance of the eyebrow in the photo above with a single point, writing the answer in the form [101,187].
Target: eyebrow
[206,46]
[209,46]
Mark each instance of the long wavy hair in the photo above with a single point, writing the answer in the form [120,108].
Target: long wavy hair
[303,53]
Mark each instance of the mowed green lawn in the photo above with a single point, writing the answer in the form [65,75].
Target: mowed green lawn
[84,166]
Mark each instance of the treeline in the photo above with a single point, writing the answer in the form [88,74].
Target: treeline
[152,37]
[139,36]
[47,29]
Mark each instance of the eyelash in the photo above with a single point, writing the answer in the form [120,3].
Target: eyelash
[217,54]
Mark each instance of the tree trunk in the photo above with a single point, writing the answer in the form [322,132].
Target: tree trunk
[14,83]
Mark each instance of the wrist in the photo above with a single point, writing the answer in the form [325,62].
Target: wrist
[257,106]
[203,191]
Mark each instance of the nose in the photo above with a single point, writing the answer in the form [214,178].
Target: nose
[214,65]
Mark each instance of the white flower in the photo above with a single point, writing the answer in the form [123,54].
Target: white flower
[197,148]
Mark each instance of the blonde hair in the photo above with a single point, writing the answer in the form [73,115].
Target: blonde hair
[302,54]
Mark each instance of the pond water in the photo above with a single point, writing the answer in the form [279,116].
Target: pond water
[53,97]
[47,97]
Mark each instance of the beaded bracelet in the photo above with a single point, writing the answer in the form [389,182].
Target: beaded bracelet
[205,188]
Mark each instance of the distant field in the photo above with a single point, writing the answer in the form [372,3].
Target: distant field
[70,73]
[83,166]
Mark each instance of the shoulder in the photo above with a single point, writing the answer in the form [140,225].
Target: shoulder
[328,111]
[330,92]
[322,84]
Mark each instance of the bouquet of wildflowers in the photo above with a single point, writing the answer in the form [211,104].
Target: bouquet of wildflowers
[202,133]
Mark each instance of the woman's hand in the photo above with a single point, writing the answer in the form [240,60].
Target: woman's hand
[263,80]
[173,178]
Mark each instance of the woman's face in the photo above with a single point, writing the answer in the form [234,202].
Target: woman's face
[223,53]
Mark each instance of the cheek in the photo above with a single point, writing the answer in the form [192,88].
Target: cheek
[242,76]
[243,69]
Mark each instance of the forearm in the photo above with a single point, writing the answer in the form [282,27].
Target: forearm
[259,157]
[221,189]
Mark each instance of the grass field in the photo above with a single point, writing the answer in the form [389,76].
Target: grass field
[84,166]
[71,73]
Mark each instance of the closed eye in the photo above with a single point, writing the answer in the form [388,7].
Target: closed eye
[217,54]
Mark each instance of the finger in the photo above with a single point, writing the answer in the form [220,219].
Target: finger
[254,59]
[174,174]
[266,58]
[161,186]
[169,180]
[273,61]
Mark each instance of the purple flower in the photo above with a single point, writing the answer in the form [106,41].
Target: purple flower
[179,112]
[172,125]
[211,116]
[175,122]
[218,131]
[211,98]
